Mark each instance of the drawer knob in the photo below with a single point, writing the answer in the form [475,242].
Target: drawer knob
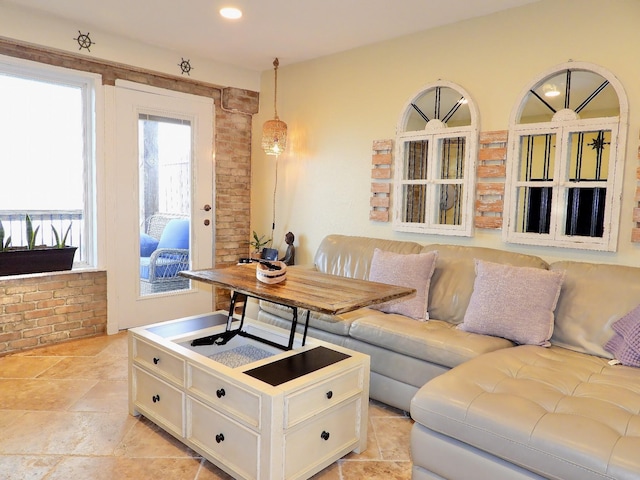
[329,394]
[156,360]
[221,393]
[155,398]
[324,435]
[219,438]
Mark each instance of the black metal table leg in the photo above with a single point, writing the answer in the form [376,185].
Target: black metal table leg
[306,327]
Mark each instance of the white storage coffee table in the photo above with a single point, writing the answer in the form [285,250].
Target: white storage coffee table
[250,408]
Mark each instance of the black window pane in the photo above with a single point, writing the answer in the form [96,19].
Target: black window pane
[585,212]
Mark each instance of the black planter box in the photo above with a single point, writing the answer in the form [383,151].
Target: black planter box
[50,259]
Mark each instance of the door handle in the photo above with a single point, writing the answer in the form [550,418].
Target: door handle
[207,207]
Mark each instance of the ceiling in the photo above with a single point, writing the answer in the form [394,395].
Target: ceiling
[292,30]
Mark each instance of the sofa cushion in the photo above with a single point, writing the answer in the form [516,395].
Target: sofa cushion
[338,324]
[558,413]
[406,270]
[434,341]
[453,278]
[148,245]
[625,343]
[349,256]
[175,234]
[516,303]
[593,296]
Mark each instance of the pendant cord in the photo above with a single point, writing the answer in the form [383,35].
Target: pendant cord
[276,63]
[275,187]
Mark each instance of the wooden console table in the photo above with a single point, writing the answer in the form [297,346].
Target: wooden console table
[303,288]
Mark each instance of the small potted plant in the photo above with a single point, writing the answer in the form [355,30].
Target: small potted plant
[258,243]
[32,258]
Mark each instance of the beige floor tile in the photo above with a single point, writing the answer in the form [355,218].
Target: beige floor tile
[332,472]
[110,468]
[384,470]
[65,433]
[28,467]
[7,417]
[35,394]
[145,439]
[25,367]
[110,396]
[97,367]
[64,415]
[208,471]
[393,436]
[118,345]
[82,347]
[373,449]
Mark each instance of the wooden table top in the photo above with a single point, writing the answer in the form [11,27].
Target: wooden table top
[303,288]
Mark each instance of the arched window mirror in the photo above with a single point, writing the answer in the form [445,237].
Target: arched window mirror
[565,160]
[436,148]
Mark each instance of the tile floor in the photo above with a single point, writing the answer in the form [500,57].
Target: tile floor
[64,415]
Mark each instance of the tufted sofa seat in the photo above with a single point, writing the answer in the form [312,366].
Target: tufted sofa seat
[552,411]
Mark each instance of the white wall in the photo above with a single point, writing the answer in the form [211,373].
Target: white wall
[29,26]
[336,106]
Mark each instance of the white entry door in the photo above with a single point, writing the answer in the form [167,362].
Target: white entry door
[160,204]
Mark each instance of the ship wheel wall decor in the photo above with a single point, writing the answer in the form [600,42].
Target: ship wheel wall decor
[84,41]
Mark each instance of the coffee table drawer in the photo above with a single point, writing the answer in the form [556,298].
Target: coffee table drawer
[317,441]
[226,396]
[159,361]
[223,439]
[158,400]
[310,401]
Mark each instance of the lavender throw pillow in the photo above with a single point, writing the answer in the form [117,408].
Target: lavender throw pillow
[412,270]
[515,303]
[625,343]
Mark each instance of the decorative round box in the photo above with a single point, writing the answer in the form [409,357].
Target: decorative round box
[267,274]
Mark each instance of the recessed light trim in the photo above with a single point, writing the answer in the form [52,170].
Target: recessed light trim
[231,13]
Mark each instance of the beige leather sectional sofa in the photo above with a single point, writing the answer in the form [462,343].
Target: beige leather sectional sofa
[506,411]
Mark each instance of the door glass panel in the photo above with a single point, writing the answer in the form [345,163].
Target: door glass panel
[164,146]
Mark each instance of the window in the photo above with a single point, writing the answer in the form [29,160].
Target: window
[47,154]
[566,148]
[436,150]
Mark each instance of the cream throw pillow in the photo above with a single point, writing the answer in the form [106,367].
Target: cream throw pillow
[515,303]
[405,270]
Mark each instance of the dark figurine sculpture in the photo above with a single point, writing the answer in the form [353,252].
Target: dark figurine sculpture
[290,255]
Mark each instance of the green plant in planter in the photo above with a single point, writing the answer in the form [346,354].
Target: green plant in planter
[31,233]
[258,242]
[59,243]
[4,245]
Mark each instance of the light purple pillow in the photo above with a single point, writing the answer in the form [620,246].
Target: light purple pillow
[625,343]
[405,270]
[515,303]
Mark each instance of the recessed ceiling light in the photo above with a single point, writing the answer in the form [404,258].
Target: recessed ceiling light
[232,13]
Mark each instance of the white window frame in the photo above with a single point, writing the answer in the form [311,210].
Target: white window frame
[563,125]
[435,132]
[91,86]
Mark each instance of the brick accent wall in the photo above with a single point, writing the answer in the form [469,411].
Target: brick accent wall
[51,308]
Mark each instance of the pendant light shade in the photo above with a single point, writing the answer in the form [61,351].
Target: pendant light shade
[274,132]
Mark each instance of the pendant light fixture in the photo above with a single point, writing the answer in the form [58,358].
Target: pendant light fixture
[274,132]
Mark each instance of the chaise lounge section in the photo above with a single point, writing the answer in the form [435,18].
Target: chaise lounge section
[561,412]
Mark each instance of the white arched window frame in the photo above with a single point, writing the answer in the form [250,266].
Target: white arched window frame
[552,196]
[436,151]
